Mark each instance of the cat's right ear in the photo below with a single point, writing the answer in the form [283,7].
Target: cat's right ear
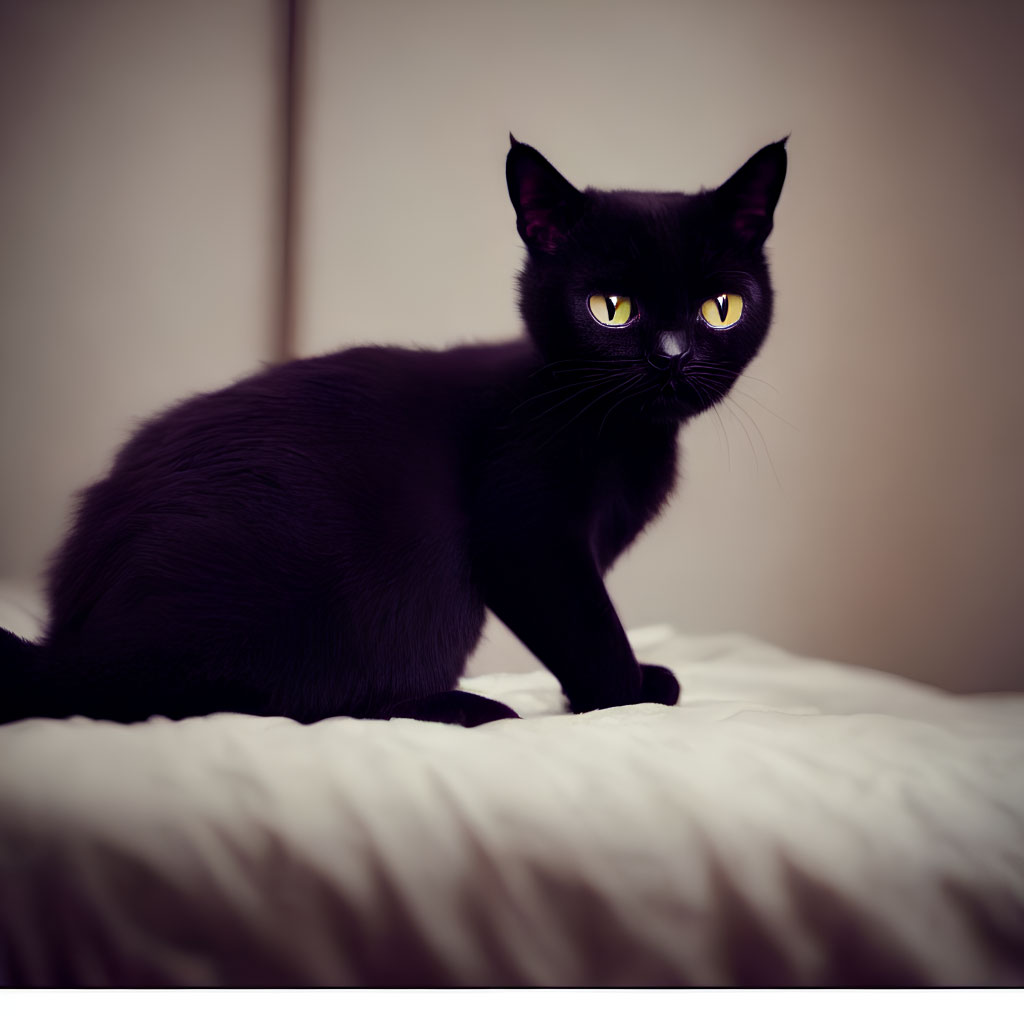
[749,196]
[546,205]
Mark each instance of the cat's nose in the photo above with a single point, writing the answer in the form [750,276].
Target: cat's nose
[672,344]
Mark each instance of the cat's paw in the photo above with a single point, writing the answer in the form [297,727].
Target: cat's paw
[453,707]
[658,685]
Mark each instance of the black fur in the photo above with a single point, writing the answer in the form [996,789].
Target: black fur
[322,538]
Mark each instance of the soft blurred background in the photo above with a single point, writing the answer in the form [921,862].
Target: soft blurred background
[185,196]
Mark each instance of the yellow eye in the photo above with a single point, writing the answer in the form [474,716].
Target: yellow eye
[611,310]
[722,311]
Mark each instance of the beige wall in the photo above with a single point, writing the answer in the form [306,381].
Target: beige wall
[860,497]
[136,220]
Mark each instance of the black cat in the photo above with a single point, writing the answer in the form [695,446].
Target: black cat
[322,538]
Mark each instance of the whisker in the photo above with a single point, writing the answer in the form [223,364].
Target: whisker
[581,362]
[725,434]
[713,406]
[748,376]
[553,391]
[661,391]
[576,390]
[746,433]
[730,375]
[766,408]
[712,373]
[764,444]
[645,386]
[589,405]
[628,364]
[711,389]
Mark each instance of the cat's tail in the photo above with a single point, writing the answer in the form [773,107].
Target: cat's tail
[20,679]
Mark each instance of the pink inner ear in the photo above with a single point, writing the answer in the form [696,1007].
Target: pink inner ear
[536,204]
[544,203]
[749,220]
[530,190]
[537,223]
[538,208]
[544,233]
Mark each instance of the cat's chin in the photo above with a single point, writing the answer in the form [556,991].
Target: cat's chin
[680,401]
[670,408]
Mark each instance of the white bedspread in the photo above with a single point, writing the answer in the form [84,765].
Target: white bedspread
[790,822]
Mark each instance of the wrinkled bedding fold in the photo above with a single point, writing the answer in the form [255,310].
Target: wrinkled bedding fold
[791,821]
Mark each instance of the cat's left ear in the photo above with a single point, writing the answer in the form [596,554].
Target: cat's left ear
[748,198]
[547,206]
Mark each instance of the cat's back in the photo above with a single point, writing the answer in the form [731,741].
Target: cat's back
[322,466]
[313,417]
[375,397]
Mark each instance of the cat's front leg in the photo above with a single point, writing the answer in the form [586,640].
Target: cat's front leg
[658,685]
[554,600]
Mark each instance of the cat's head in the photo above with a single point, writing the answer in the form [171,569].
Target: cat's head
[668,291]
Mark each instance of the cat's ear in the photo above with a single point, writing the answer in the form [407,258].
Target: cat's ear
[748,198]
[546,205]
